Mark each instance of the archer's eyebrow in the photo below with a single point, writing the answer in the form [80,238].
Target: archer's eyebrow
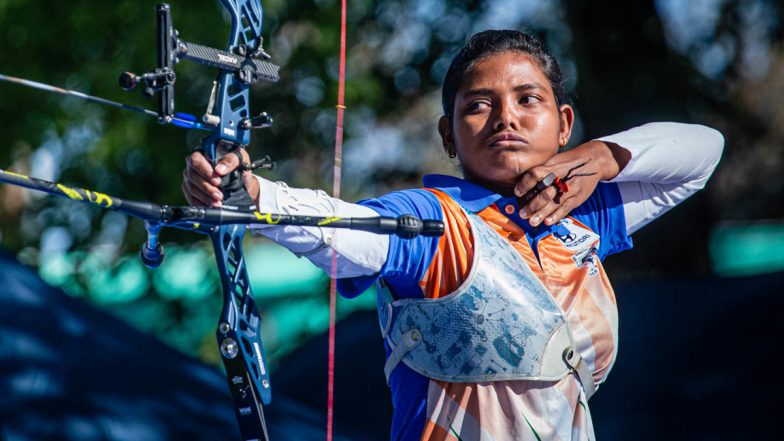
[521,88]
[529,86]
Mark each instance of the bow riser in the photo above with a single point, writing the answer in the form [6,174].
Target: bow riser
[229,122]
[239,326]
[238,333]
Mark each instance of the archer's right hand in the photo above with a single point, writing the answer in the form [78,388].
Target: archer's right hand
[200,181]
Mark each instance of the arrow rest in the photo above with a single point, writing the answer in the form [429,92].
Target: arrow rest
[228,120]
[229,124]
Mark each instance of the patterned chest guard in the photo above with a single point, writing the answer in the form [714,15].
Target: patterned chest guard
[500,324]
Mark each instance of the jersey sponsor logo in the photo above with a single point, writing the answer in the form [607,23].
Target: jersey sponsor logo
[588,259]
[566,238]
[582,242]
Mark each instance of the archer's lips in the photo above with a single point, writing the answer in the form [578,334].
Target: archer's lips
[506,139]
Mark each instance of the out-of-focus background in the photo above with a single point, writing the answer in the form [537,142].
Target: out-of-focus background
[95,346]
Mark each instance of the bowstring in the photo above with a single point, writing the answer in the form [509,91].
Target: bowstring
[336,194]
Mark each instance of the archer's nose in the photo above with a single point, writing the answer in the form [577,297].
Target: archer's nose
[505,116]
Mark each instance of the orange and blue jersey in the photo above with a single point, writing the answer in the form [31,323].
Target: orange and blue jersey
[566,257]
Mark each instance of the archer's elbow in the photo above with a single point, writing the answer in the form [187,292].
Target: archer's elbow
[714,145]
[710,149]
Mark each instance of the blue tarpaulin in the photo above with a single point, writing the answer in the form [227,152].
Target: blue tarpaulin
[698,360]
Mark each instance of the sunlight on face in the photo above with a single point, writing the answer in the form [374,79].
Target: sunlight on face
[506,120]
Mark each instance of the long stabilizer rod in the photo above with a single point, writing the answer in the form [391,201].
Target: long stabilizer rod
[201,218]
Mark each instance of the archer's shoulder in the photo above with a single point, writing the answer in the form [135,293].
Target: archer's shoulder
[417,201]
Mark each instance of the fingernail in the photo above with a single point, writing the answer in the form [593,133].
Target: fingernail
[215,181]
[523,213]
[217,196]
[220,168]
[549,221]
[535,221]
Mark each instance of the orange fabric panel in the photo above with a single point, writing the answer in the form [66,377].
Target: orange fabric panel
[455,253]
[581,287]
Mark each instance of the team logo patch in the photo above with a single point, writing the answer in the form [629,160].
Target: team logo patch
[582,242]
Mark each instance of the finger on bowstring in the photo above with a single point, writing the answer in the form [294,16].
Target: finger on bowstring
[541,200]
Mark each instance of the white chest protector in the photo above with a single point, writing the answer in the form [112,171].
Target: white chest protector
[500,324]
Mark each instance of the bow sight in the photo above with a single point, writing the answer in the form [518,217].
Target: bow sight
[244,63]
[229,123]
[247,62]
[228,120]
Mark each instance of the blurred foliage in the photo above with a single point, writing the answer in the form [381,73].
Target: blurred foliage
[740,250]
[716,62]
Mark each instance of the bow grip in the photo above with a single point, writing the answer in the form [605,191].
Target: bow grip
[235,196]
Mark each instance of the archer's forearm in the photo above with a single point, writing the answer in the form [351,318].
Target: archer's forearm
[359,253]
[668,163]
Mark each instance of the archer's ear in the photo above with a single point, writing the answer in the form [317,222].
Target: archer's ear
[566,115]
[447,139]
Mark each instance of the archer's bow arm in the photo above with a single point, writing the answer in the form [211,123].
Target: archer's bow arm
[359,253]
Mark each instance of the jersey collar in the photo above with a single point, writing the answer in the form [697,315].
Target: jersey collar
[470,196]
[476,198]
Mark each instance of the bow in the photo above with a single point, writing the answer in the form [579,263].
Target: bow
[228,125]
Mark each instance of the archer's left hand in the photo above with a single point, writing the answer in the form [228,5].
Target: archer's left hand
[200,181]
[584,165]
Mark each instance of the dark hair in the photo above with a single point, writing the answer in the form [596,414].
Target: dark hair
[493,42]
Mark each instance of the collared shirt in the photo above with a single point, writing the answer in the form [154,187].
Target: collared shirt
[669,162]
[565,256]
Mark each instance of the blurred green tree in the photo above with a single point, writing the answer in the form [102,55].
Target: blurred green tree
[626,63]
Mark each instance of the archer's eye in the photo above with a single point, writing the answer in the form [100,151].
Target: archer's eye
[529,99]
[476,106]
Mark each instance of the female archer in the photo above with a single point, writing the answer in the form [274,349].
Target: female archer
[502,328]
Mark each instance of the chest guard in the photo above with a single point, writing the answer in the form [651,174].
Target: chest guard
[500,324]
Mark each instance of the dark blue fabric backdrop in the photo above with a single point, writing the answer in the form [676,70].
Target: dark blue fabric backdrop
[698,360]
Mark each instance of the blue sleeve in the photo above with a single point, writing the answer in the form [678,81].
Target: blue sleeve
[407,259]
[603,213]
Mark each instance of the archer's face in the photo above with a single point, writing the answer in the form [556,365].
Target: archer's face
[505,121]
